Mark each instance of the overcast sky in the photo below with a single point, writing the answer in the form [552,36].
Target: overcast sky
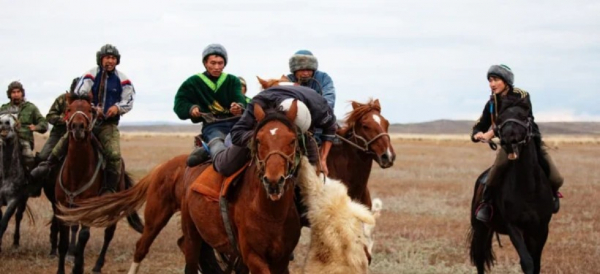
[424,60]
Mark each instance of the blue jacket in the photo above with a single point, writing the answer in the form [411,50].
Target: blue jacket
[118,90]
[323,85]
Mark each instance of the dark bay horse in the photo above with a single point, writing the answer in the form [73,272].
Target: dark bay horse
[262,211]
[13,176]
[521,196]
[81,177]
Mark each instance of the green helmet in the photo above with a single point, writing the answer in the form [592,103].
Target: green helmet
[105,50]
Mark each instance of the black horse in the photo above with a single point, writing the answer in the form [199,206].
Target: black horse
[521,194]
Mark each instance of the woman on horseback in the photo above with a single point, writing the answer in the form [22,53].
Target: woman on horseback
[501,81]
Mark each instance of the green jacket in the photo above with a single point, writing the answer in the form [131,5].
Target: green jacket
[56,115]
[29,114]
[208,96]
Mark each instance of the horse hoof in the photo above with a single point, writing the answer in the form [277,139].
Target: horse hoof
[70,259]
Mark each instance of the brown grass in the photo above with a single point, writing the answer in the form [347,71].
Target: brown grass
[423,225]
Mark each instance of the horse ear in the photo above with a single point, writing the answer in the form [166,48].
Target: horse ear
[355,105]
[293,111]
[284,78]
[376,103]
[264,84]
[69,98]
[259,113]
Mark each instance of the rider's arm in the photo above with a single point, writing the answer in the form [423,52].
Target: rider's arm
[328,90]
[238,97]
[483,124]
[55,114]
[127,95]
[185,102]
[243,129]
[85,84]
[41,125]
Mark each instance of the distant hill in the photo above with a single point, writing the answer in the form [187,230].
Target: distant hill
[433,127]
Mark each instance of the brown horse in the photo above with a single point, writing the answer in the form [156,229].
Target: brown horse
[364,139]
[80,178]
[263,215]
[162,190]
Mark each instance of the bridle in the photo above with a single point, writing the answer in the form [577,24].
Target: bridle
[526,125]
[91,122]
[366,144]
[292,160]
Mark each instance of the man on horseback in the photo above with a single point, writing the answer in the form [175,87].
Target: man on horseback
[30,120]
[501,81]
[112,96]
[313,113]
[244,88]
[212,97]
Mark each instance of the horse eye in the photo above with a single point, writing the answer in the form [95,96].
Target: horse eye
[365,127]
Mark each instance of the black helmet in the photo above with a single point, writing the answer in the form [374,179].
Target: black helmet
[105,50]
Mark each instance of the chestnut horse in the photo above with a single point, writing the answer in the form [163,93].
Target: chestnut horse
[81,177]
[263,215]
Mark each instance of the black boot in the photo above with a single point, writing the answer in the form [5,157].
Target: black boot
[484,210]
[198,156]
[111,182]
[43,169]
[556,202]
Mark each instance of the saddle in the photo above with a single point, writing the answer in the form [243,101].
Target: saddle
[212,185]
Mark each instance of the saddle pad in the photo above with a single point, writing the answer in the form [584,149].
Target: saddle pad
[210,181]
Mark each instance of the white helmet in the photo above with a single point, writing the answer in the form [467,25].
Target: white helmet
[303,119]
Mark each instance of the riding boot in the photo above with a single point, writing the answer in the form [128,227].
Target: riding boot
[111,182]
[198,156]
[43,169]
[556,201]
[484,210]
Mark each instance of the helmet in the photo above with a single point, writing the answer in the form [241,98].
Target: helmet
[105,50]
[303,118]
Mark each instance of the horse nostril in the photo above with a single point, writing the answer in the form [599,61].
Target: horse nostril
[385,157]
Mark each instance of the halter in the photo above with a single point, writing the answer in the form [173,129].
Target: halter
[292,161]
[90,121]
[365,147]
[526,125]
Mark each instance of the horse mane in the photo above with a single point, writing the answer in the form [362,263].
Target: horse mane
[358,111]
[74,96]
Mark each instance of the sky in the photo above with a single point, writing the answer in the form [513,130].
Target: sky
[424,60]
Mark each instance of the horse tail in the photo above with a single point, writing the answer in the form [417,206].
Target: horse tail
[133,219]
[104,211]
[480,249]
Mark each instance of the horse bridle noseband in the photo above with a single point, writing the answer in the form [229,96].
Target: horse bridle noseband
[292,160]
[366,144]
[526,125]
[91,122]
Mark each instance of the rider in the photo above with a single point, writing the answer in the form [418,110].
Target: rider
[113,96]
[501,80]
[244,88]
[209,94]
[321,117]
[30,120]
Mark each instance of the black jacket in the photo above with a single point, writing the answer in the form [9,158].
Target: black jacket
[321,114]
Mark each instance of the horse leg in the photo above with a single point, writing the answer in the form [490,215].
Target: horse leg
[10,211]
[54,228]
[480,249]
[84,236]
[156,218]
[63,246]
[257,265]
[516,237]
[109,233]
[72,244]
[535,243]
[18,217]
[191,242]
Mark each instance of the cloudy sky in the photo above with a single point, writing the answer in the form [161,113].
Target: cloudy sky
[424,60]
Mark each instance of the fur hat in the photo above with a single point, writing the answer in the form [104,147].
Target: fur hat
[503,72]
[14,85]
[303,59]
[214,49]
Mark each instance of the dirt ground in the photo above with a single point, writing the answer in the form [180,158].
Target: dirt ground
[423,228]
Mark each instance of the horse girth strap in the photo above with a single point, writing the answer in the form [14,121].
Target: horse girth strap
[72,194]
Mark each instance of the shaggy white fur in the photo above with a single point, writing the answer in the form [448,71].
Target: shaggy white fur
[376,207]
[338,243]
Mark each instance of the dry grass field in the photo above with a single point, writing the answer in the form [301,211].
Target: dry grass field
[423,227]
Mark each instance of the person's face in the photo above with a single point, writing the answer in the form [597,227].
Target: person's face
[497,85]
[244,89]
[16,96]
[109,62]
[214,65]
[303,75]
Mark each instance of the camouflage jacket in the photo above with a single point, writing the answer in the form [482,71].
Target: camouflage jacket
[29,114]
[56,115]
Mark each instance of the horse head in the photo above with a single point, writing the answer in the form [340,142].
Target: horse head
[369,129]
[79,116]
[514,126]
[8,126]
[283,81]
[276,148]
